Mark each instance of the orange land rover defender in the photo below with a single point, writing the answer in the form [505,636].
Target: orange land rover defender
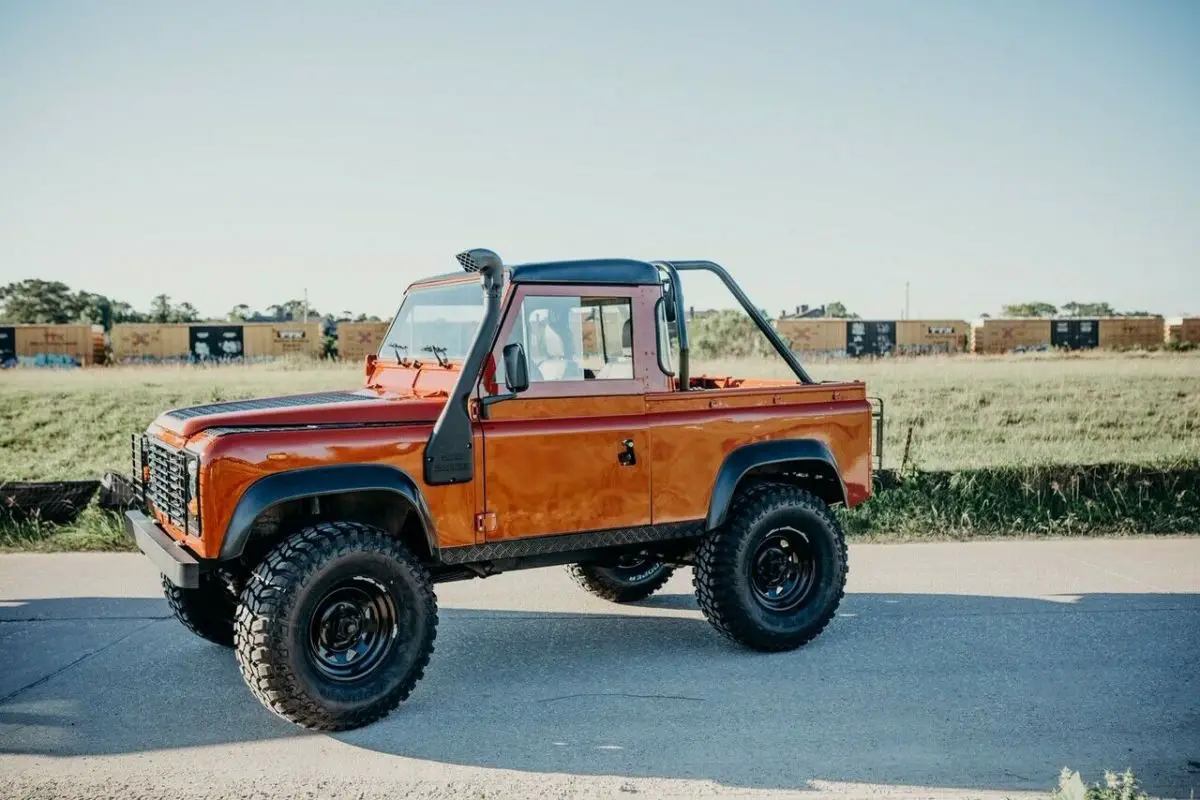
[514,417]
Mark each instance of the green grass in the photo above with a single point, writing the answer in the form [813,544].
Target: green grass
[94,530]
[1050,500]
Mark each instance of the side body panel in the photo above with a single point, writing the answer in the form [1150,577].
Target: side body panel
[692,433]
[241,459]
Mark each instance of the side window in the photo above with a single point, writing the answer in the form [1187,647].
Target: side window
[575,338]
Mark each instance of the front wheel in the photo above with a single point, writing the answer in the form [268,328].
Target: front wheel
[771,578]
[336,626]
[627,580]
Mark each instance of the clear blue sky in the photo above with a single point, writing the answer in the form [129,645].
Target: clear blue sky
[987,152]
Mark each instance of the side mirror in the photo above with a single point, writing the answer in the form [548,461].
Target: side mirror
[516,371]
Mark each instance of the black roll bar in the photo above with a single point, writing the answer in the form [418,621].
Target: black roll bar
[674,267]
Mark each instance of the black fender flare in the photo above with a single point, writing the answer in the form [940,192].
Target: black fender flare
[296,484]
[775,451]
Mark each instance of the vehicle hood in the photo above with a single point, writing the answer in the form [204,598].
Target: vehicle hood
[360,407]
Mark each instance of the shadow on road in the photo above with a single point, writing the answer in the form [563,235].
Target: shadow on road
[917,689]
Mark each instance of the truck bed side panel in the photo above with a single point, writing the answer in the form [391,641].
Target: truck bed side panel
[691,433]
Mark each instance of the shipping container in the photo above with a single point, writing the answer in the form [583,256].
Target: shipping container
[923,336]
[50,345]
[1124,333]
[216,341]
[1010,335]
[815,335]
[1183,330]
[356,340]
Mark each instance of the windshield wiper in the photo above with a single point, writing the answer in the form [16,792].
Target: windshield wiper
[438,354]
[401,359]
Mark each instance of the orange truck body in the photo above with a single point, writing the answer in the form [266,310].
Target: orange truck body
[546,462]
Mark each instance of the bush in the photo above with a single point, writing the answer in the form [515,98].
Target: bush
[1121,786]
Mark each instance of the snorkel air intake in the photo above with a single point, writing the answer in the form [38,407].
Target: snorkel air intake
[448,454]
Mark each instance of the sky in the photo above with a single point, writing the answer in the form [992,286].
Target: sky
[984,153]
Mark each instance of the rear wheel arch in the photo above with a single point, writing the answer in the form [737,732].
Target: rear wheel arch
[378,495]
[808,464]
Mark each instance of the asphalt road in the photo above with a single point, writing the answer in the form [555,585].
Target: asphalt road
[976,669]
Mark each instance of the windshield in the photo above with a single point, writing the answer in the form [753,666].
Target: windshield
[443,317]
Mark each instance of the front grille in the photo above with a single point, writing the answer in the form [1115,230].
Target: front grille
[167,489]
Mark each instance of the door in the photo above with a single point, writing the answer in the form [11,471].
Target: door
[1075,334]
[870,338]
[215,342]
[1088,334]
[8,344]
[571,453]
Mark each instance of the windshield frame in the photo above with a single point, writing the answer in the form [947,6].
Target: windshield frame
[387,353]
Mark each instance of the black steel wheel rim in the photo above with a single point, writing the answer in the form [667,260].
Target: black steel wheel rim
[783,570]
[353,629]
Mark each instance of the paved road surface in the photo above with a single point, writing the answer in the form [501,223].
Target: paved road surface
[969,669]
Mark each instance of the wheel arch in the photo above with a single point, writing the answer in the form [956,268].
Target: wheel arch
[368,493]
[808,463]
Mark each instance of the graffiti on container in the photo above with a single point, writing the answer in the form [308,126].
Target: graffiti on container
[40,360]
[927,349]
[215,342]
[290,341]
[870,338]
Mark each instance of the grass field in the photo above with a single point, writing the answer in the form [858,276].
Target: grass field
[964,412]
[995,430]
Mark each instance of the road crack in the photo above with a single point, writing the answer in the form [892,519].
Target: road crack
[623,694]
[79,660]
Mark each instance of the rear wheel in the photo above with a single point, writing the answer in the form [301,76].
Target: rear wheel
[629,579]
[336,626]
[771,578]
[206,611]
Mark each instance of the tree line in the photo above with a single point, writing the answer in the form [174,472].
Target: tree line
[1072,309]
[54,303]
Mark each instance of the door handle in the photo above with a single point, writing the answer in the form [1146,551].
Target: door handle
[627,458]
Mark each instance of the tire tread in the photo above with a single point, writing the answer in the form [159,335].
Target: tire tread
[715,580]
[261,650]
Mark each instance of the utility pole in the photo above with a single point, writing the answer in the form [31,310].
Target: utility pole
[306,306]
[906,299]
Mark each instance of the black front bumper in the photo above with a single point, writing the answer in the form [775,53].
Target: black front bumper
[172,559]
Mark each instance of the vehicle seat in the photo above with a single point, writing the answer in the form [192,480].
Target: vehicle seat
[557,366]
[622,367]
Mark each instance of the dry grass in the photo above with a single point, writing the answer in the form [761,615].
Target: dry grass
[996,422]
[980,411]
[965,411]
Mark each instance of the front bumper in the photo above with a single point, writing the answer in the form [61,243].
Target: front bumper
[172,559]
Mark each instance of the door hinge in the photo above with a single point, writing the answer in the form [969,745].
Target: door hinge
[485,522]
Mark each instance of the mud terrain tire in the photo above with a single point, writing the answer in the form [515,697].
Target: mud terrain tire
[772,576]
[622,583]
[336,626]
[206,611]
